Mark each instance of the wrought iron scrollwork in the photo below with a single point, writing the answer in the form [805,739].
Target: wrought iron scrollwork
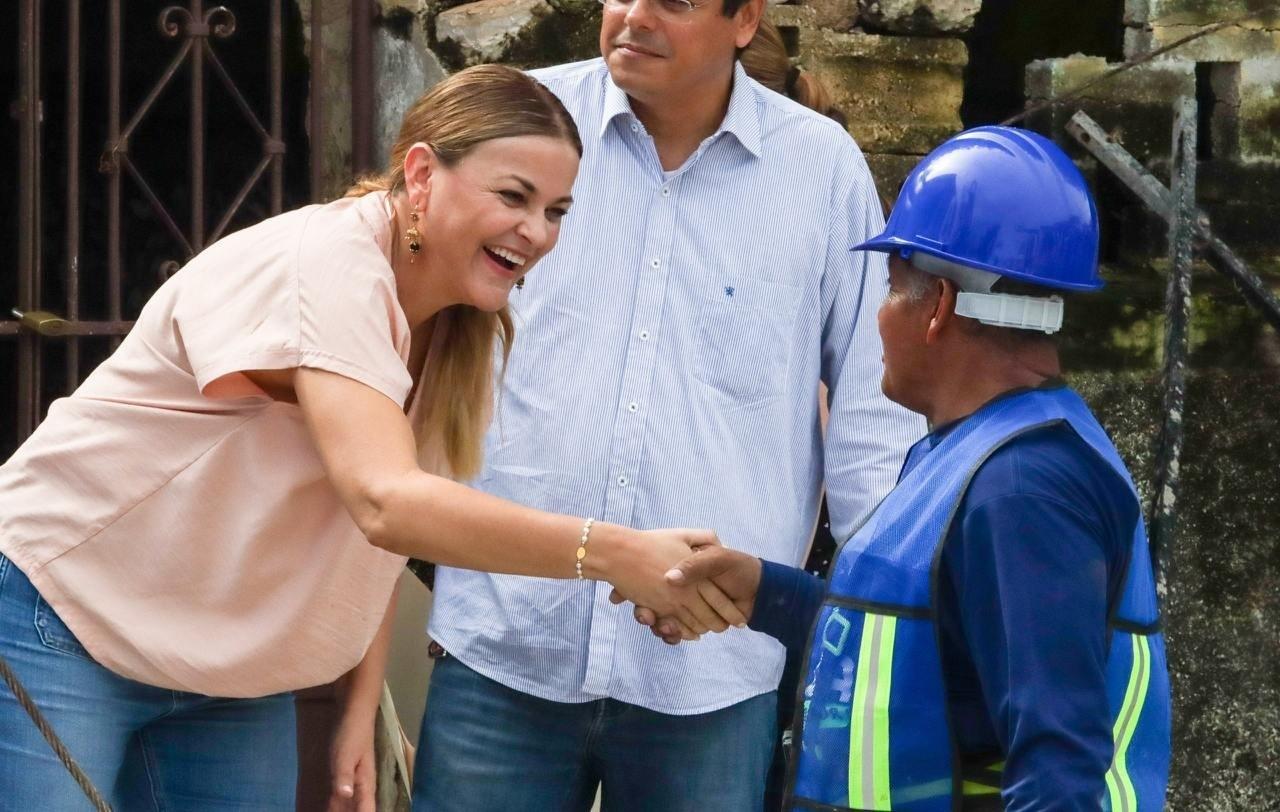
[176,21]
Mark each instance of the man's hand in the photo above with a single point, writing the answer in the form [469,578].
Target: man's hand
[637,567]
[717,573]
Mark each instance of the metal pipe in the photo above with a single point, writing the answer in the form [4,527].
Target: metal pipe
[112,166]
[277,107]
[28,206]
[317,93]
[361,86]
[197,130]
[1158,198]
[1166,485]
[73,187]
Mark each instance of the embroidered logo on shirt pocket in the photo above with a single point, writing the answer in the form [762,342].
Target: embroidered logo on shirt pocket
[744,338]
[54,633]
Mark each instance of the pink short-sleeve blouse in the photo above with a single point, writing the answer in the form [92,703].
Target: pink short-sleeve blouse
[178,519]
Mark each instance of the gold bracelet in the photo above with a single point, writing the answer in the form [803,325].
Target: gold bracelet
[582,546]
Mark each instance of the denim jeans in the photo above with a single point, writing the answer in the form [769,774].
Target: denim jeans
[486,747]
[144,748]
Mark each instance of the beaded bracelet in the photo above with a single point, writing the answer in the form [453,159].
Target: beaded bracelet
[582,546]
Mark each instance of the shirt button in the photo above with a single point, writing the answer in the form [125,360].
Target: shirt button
[633,407]
[635,128]
[623,481]
[655,263]
[666,192]
[644,335]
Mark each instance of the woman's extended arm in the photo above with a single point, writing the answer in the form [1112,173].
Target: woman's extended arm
[369,452]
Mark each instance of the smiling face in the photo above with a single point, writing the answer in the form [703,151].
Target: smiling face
[488,218]
[654,57]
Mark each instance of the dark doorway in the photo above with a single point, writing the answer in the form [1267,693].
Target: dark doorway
[1008,34]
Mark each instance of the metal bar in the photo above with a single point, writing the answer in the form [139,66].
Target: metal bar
[114,283]
[277,106]
[1160,200]
[1166,485]
[28,110]
[197,137]
[159,208]
[243,193]
[37,278]
[120,141]
[73,187]
[361,86]
[70,329]
[317,93]
[236,95]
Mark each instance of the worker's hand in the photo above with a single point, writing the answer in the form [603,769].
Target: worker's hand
[719,575]
[637,564]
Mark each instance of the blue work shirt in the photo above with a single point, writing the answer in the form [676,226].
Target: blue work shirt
[665,374]
[1032,565]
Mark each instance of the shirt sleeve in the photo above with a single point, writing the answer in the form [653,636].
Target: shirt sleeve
[288,293]
[787,601]
[1030,578]
[350,321]
[867,434]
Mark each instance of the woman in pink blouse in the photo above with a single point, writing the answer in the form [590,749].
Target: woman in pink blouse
[218,515]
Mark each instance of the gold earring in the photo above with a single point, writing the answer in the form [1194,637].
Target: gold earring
[520,283]
[413,236]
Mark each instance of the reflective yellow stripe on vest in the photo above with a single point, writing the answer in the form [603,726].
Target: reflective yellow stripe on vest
[869,717]
[1119,786]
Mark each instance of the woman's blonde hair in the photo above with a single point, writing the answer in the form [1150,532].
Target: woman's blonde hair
[454,117]
[766,61]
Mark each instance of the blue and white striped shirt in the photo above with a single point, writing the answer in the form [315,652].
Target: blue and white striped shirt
[665,374]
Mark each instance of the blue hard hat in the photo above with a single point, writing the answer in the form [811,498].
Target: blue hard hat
[1003,200]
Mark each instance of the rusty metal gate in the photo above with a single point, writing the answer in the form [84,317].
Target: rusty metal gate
[144,131]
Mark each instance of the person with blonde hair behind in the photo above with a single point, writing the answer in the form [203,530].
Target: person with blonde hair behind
[219,514]
[766,60]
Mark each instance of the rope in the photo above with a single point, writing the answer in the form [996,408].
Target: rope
[60,749]
[1164,49]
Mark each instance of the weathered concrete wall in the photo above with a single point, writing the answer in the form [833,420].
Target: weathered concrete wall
[1238,171]
[403,68]
[1136,106]
[920,16]
[1151,24]
[1258,111]
[1223,611]
[526,33]
[334,143]
[901,94]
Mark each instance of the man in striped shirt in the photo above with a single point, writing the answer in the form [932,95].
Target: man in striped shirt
[670,351]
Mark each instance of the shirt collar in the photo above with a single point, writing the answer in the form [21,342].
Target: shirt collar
[742,119]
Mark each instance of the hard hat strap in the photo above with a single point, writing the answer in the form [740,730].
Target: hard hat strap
[1007,310]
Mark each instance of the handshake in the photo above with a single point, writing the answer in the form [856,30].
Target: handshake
[709,589]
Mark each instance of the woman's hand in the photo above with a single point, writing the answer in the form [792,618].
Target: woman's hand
[351,765]
[636,563]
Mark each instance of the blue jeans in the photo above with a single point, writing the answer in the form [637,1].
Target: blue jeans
[144,748]
[486,747]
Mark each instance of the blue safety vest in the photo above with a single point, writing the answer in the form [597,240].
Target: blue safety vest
[875,732]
